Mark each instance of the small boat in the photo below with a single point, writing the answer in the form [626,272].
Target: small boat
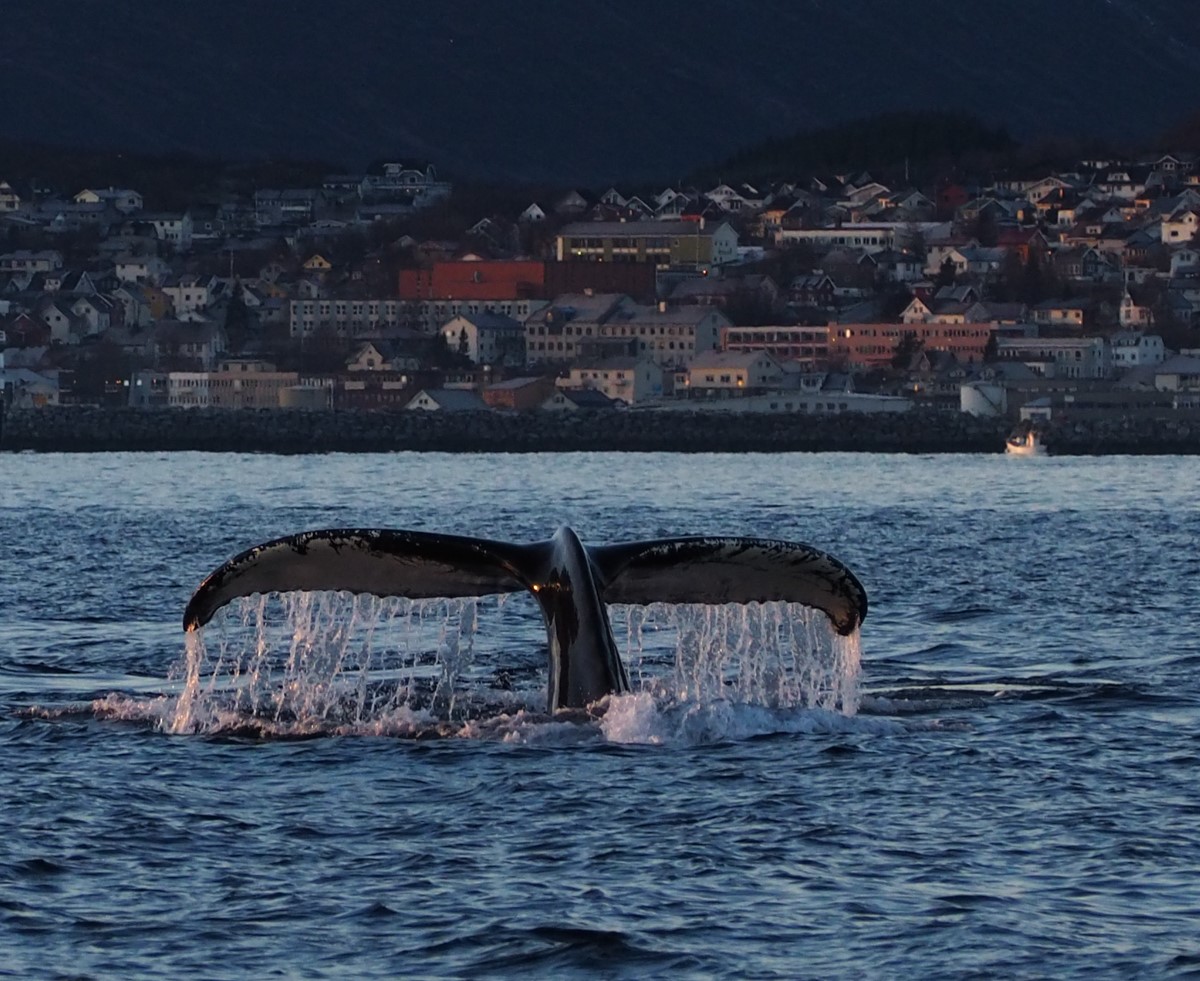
[1025,442]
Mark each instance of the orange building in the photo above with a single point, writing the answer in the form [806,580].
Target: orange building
[486,279]
[874,345]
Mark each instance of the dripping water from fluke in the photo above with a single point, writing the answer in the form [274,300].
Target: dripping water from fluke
[297,664]
[776,655]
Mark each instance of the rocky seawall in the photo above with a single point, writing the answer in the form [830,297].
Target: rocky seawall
[89,429]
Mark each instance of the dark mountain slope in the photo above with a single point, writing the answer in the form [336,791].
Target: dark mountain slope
[590,92]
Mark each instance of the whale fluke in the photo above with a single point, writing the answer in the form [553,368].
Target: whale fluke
[377,561]
[730,570]
[571,582]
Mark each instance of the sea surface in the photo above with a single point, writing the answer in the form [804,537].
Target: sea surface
[318,786]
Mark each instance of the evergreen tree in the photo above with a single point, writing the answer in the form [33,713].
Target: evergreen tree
[749,308]
[991,350]
[1033,279]
[237,320]
[908,346]
[983,228]
[914,241]
[1006,287]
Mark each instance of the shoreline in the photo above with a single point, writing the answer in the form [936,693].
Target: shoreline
[88,429]
[91,429]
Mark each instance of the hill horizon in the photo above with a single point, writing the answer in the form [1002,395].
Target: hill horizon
[568,95]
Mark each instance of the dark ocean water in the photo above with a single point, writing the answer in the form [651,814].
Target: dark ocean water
[1015,796]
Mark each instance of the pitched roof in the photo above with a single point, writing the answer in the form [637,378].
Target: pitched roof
[728,359]
[623,229]
[585,398]
[486,320]
[511,384]
[453,399]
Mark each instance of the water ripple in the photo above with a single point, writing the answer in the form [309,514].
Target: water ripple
[1015,797]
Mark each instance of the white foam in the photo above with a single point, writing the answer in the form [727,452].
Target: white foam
[639,718]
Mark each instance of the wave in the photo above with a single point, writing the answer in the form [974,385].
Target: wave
[634,719]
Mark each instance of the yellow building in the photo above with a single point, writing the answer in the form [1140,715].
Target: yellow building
[236,384]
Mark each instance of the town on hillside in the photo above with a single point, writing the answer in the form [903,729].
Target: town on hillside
[1028,296]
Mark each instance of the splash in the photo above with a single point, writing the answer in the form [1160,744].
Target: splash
[777,655]
[318,662]
[297,664]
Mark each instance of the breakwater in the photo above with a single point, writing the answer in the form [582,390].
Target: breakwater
[90,429]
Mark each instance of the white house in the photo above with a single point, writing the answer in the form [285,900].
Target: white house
[728,199]
[1058,357]
[10,200]
[121,198]
[1131,348]
[137,306]
[175,229]
[532,215]
[189,292]
[1185,260]
[66,327]
[1179,374]
[628,378]
[1069,313]
[381,355]
[419,185]
[141,269]
[1181,226]
[96,311]
[23,260]
[486,338]
[732,373]
[1133,314]
[672,336]
[201,343]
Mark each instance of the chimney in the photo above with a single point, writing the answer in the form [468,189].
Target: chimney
[662,306]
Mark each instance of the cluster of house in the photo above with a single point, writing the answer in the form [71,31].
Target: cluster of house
[1081,288]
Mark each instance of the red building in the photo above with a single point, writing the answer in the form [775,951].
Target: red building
[521,394]
[949,197]
[487,279]
[874,345]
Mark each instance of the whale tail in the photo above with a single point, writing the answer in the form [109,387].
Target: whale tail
[415,564]
[419,565]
